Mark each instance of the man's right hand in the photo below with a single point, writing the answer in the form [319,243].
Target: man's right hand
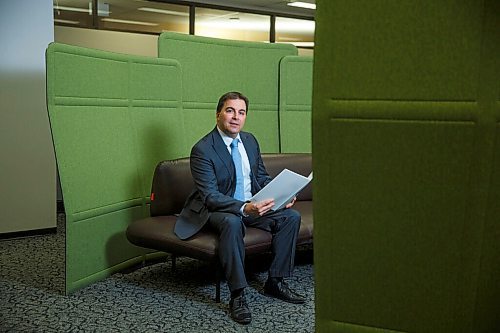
[258,208]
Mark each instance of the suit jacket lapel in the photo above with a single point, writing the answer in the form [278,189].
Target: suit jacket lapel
[221,150]
[249,148]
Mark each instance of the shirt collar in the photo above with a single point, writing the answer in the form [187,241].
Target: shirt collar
[227,139]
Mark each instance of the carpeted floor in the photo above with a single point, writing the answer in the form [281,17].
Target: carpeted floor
[148,299]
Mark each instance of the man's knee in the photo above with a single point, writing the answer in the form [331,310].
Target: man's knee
[293,215]
[232,224]
[291,218]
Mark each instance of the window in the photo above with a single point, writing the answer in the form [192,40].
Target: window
[154,17]
[74,13]
[132,16]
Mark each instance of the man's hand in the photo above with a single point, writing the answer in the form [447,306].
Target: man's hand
[258,208]
[289,205]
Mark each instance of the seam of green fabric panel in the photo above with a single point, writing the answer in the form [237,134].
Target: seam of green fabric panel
[404,110]
[168,104]
[89,101]
[297,107]
[94,212]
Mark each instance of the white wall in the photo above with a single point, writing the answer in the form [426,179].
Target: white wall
[306,52]
[27,163]
[115,41]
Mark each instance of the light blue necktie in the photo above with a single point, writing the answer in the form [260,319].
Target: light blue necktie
[239,193]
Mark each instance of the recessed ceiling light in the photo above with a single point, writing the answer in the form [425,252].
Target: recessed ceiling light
[129,22]
[302,4]
[162,11]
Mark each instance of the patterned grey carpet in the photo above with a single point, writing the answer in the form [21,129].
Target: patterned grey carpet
[147,299]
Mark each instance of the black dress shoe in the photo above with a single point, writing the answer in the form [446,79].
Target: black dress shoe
[239,310]
[281,291]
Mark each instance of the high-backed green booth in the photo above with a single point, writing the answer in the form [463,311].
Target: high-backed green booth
[406,151]
[113,117]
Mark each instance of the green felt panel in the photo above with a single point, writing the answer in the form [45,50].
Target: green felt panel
[154,83]
[160,136]
[336,327]
[486,317]
[157,117]
[199,122]
[264,125]
[97,246]
[113,117]
[96,156]
[211,67]
[295,132]
[396,220]
[93,82]
[408,50]
[295,104]
[406,152]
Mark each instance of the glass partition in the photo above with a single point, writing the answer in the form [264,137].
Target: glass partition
[132,16]
[154,17]
[74,13]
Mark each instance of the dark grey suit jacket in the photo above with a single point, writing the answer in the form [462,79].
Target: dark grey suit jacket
[214,175]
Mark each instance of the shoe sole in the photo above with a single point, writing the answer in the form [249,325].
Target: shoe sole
[243,322]
[284,299]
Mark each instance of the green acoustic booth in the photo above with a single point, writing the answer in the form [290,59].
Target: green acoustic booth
[115,116]
[406,151]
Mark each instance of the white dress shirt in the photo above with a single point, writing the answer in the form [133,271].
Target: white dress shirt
[247,185]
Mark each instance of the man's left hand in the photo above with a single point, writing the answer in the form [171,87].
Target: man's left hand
[289,205]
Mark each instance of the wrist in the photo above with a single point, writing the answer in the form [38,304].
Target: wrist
[242,210]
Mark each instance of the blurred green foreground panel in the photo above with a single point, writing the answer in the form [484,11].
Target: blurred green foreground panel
[406,157]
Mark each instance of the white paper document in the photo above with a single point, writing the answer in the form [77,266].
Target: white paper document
[283,188]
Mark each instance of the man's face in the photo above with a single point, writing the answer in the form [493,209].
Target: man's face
[231,118]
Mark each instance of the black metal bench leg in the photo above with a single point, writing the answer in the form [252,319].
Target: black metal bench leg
[218,278]
[174,258]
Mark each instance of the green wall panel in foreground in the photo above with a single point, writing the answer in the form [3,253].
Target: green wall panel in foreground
[406,159]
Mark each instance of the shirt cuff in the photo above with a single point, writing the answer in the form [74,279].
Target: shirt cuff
[242,210]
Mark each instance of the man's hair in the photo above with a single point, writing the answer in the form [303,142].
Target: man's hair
[231,95]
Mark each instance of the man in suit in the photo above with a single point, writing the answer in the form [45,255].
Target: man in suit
[227,169]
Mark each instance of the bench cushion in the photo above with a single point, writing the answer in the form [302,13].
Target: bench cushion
[158,233]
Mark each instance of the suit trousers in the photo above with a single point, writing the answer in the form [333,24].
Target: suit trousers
[284,226]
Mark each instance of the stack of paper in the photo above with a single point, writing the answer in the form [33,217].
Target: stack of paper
[283,188]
